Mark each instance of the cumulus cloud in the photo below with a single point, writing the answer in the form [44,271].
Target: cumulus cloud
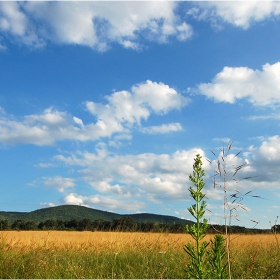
[92,24]
[84,158]
[46,129]
[152,176]
[265,161]
[103,202]
[238,13]
[132,107]
[261,88]
[98,24]
[159,97]
[123,182]
[74,199]
[123,110]
[59,183]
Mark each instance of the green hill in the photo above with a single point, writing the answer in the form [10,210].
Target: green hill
[71,212]
[11,216]
[74,212]
[64,212]
[153,218]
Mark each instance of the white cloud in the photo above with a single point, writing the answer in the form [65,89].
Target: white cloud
[117,141]
[84,158]
[93,24]
[124,107]
[269,152]
[152,176]
[238,13]
[261,169]
[185,31]
[265,117]
[160,178]
[45,165]
[123,110]
[13,21]
[213,194]
[103,202]
[261,88]
[164,128]
[59,183]
[127,108]
[47,204]
[45,129]
[74,199]
[78,121]
[224,165]
[159,97]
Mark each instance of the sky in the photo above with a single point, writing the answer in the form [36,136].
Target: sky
[106,105]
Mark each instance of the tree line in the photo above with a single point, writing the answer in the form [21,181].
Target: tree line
[121,224]
[126,224]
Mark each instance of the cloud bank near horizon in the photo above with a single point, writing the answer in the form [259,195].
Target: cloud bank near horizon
[159,178]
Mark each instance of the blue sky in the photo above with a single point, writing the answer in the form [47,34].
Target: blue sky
[106,104]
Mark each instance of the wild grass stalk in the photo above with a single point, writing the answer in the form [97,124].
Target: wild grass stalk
[225,172]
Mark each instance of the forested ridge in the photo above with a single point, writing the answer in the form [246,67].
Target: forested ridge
[126,224]
[80,218]
[75,212]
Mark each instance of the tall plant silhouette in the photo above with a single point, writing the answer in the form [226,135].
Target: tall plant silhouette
[204,263]
[197,267]
[225,172]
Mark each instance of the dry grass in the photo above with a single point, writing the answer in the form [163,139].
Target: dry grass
[62,254]
[121,240]
[58,254]
[95,241]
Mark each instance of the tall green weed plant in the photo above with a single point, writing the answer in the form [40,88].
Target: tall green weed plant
[205,261]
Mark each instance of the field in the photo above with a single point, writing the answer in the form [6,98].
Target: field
[59,254]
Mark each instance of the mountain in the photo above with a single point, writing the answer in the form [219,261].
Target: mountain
[153,218]
[74,212]
[64,212]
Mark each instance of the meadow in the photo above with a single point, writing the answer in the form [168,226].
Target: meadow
[62,254]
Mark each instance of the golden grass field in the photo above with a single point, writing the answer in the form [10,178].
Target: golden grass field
[124,255]
[100,241]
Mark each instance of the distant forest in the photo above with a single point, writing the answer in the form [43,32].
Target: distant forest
[123,224]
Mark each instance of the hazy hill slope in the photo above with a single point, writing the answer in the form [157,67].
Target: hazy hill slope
[11,216]
[74,212]
[152,218]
